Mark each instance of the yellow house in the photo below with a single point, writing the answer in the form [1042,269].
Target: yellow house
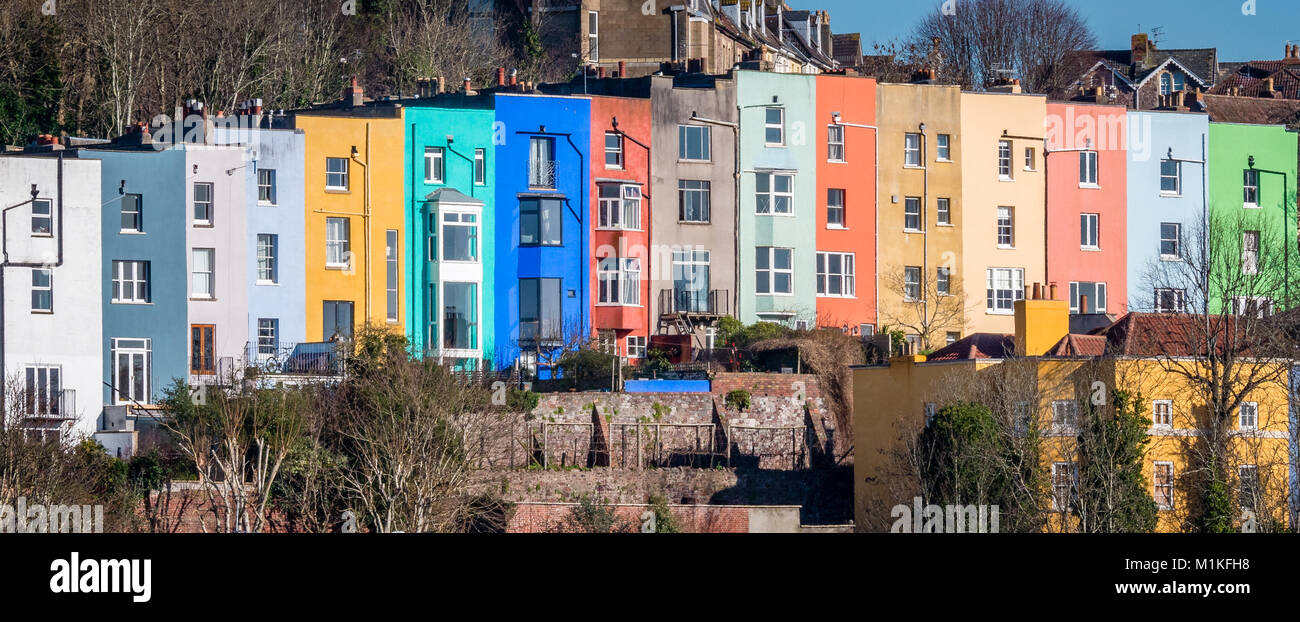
[354,222]
[1004,185]
[1039,377]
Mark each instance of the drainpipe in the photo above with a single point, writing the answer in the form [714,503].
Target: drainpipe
[837,120]
[365,215]
[925,223]
[5,264]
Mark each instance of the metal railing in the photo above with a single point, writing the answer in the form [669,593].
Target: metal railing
[42,406]
[324,358]
[542,174]
[711,302]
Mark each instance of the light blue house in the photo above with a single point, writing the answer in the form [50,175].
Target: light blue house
[274,253]
[778,197]
[1167,178]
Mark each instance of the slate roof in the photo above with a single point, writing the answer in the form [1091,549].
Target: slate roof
[1201,62]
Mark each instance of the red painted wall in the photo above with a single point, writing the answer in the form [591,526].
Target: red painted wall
[854,98]
[633,116]
[1070,126]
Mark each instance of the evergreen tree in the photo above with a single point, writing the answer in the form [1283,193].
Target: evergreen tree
[1114,496]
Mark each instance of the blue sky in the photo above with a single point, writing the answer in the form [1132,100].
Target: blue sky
[1186,23]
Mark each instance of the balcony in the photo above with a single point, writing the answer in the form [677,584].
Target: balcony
[45,410]
[323,359]
[698,303]
[542,174]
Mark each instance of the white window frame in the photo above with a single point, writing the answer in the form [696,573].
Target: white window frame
[1177,241]
[266,186]
[1088,174]
[1031,159]
[779,126]
[1070,485]
[1089,231]
[1177,177]
[337,245]
[119,349]
[943,281]
[702,187]
[593,36]
[1250,252]
[621,212]
[772,194]
[268,336]
[835,151]
[1014,279]
[1168,406]
[943,211]
[618,281]
[468,218]
[845,275]
[911,283]
[47,287]
[772,271]
[333,174]
[1156,486]
[139,280]
[912,150]
[138,212]
[1006,227]
[435,165]
[210,274]
[1180,300]
[616,151]
[43,398]
[541,162]
[909,213]
[480,167]
[1099,301]
[267,262]
[1065,415]
[685,134]
[207,206]
[1258,306]
[635,346]
[1004,161]
[1250,188]
[832,207]
[42,218]
[943,148]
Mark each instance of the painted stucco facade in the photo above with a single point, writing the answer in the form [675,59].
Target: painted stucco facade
[543,148]
[924,241]
[53,342]
[450,219]
[1087,218]
[620,208]
[846,202]
[778,197]
[1002,153]
[1178,143]
[352,280]
[695,242]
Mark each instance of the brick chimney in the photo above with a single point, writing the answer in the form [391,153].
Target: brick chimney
[1268,87]
[622,69]
[1040,323]
[501,76]
[827,48]
[353,94]
[1140,49]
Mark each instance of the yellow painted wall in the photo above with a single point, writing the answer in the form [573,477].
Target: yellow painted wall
[890,407]
[902,108]
[333,134]
[985,118]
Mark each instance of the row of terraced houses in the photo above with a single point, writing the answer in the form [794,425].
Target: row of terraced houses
[493,225]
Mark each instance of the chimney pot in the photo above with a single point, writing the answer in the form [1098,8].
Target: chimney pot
[1053,291]
[1038,291]
[514,77]
[467,85]
[1083,303]
[501,76]
[622,69]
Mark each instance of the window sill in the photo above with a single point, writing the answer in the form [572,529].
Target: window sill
[42,312]
[266,284]
[1009,180]
[1003,247]
[789,295]
[837,161]
[202,299]
[334,266]
[42,235]
[130,232]
[944,224]
[1171,195]
[688,161]
[463,262]
[906,230]
[615,305]
[130,302]
[774,145]
[329,190]
[265,204]
[434,182]
[1089,187]
[943,160]
[838,296]
[917,167]
[203,225]
[837,227]
[1171,258]
[620,229]
[1250,206]
[610,167]
[783,215]
[1091,249]
[999,312]
[694,222]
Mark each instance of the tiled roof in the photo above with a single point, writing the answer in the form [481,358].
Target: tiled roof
[1079,345]
[1166,334]
[847,49]
[1256,110]
[1203,62]
[1249,79]
[977,346]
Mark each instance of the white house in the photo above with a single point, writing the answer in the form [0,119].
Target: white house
[52,337]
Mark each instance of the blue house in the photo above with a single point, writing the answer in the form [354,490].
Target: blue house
[543,283]
[146,337]
[1167,152]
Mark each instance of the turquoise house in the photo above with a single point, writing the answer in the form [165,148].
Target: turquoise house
[450,167]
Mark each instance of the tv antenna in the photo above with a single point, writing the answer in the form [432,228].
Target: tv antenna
[1156,33]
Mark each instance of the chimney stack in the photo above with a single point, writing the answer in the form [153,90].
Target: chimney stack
[1268,87]
[1040,324]
[353,94]
[1139,50]
[622,69]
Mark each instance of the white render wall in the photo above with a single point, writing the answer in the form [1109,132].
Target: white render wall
[222,166]
[72,336]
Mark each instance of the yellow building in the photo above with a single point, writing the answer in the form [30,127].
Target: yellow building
[894,402]
[1004,217]
[921,210]
[354,221]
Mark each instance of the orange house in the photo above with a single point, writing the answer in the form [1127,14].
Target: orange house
[1087,205]
[846,202]
[620,221]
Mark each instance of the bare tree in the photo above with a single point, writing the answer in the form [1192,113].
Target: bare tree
[928,308]
[1230,343]
[438,38]
[985,42]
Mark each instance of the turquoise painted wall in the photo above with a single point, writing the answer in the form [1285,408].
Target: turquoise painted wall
[459,125]
[796,95]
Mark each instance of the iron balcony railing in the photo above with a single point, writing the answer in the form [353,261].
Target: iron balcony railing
[542,174]
[711,302]
[324,358]
[59,405]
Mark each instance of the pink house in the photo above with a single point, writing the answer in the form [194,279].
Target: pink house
[1087,203]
